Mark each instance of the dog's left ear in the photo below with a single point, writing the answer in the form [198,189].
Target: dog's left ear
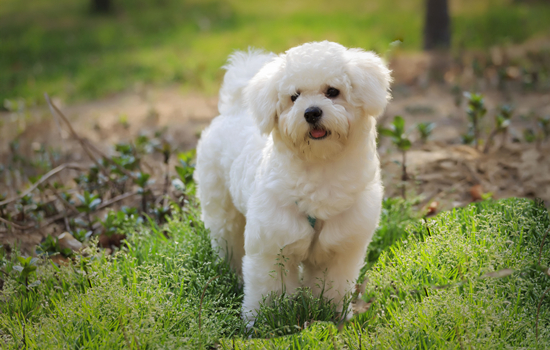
[263,96]
[370,81]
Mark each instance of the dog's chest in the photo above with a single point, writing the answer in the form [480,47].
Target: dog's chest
[326,193]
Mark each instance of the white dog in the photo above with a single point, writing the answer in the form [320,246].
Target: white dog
[288,175]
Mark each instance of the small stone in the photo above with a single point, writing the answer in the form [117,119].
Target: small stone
[66,240]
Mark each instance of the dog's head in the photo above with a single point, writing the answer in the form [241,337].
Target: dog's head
[319,97]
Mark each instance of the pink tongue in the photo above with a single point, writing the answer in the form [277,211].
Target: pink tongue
[317,133]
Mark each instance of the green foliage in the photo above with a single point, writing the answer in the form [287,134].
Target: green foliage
[149,293]
[476,111]
[115,221]
[529,135]
[468,277]
[425,130]
[503,117]
[396,132]
[88,202]
[397,214]
[544,125]
[142,180]
[441,287]
[81,235]
[288,314]
[25,269]
[50,245]
[186,168]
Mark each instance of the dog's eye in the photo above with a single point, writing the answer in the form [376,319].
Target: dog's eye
[295,96]
[332,92]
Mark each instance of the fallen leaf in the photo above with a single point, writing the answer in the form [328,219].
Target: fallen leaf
[476,192]
[432,208]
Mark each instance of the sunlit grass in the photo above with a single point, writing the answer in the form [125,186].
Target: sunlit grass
[59,48]
[428,289]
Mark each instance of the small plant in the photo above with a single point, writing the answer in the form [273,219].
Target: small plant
[81,235]
[396,132]
[544,125]
[160,212]
[142,180]
[115,221]
[186,168]
[88,204]
[529,135]
[502,122]
[27,267]
[476,111]
[123,121]
[25,206]
[111,222]
[425,130]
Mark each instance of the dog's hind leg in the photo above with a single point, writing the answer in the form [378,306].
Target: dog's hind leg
[226,226]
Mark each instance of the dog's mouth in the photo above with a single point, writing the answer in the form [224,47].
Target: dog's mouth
[318,133]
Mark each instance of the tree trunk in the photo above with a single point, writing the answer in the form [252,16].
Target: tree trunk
[101,6]
[437,27]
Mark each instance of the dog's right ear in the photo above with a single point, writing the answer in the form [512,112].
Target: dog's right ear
[263,96]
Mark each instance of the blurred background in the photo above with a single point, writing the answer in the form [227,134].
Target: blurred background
[82,50]
[472,82]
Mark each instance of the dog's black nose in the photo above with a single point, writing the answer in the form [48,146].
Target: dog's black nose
[313,114]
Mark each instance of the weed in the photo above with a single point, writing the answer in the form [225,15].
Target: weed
[425,130]
[476,111]
[396,132]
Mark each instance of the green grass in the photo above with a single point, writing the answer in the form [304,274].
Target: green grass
[427,289]
[59,48]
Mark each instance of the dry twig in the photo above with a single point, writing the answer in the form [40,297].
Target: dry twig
[39,182]
[82,141]
[19,227]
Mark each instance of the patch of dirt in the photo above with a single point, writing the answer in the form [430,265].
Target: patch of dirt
[114,119]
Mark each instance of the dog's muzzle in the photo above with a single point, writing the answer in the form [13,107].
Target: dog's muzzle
[313,115]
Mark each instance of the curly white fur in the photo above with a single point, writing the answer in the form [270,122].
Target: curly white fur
[261,173]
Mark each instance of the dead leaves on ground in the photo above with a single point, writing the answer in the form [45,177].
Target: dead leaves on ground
[454,175]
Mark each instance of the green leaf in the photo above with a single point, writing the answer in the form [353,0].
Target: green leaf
[381,131]
[399,124]
[94,203]
[404,144]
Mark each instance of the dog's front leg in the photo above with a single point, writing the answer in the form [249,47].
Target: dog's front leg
[335,259]
[276,239]
[266,275]
[334,275]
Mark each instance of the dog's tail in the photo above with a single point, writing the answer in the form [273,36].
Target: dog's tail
[240,68]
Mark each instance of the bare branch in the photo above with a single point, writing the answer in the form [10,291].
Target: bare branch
[39,182]
[19,227]
[83,143]
[116,199]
